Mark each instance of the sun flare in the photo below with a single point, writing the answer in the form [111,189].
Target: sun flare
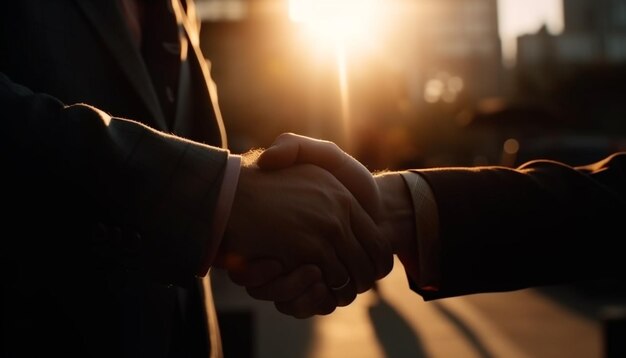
[336,19]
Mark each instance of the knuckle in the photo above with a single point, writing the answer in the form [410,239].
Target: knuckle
[387,266]
[311,273]
[302,315]
[326,309]
[384,259]
[335,228]
[257,293]
[288,309]
[236,278]
[333,146]
[364,286]
[346,298]
[287,136]
[365,283]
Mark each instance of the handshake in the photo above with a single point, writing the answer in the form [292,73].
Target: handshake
[310,227]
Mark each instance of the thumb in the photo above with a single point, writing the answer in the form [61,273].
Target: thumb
[291,149]
[282,154]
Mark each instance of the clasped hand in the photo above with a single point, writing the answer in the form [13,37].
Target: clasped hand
[303,230]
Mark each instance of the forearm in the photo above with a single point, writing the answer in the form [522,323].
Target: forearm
[397,221]
[543,223]
[412,226]
[157,191]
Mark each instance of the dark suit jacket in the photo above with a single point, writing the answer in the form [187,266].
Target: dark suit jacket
[543,223]
[106,220]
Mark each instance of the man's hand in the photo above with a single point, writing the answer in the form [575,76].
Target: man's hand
[396,219]
[290,149]
[303,215]
[384,196]
[302,293]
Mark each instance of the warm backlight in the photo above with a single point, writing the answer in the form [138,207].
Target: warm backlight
[336,19]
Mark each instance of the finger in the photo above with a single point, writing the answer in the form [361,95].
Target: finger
[360,182]
[281,154]
[256,272]
[376,247]
[344,294]
[290,286]
[290,149]
[356,260]
[316,300]
[336,275]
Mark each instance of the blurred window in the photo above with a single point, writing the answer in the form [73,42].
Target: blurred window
[477,9]
[576,48]
[616,48]
[532,50]
[619,14]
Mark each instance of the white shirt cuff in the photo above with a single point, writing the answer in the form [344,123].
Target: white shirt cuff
[427,231]
[222,209]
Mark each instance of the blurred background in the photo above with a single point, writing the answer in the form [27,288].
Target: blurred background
[420,83]
[406,83]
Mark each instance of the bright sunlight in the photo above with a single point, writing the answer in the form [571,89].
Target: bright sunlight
[336,20]
[342,24]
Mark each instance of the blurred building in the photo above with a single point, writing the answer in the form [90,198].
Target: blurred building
[453,61]
[567,100]
[595,32]
[429,59]
[258,69]
[459,49]
[601,17]
[582,69]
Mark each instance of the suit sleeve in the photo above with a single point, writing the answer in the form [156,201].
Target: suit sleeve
[544,223]
[90,193]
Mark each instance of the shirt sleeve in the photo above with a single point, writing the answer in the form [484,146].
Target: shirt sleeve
[425,274]
[222,210]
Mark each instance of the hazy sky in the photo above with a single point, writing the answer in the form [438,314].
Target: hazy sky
[518,17]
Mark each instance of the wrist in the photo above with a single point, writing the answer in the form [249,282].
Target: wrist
[240,196]
[397,222]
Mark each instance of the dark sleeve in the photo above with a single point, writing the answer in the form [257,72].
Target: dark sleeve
[544,223]
[90,193]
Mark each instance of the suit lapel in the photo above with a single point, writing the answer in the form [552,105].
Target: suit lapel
[107,21]
[193,59]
